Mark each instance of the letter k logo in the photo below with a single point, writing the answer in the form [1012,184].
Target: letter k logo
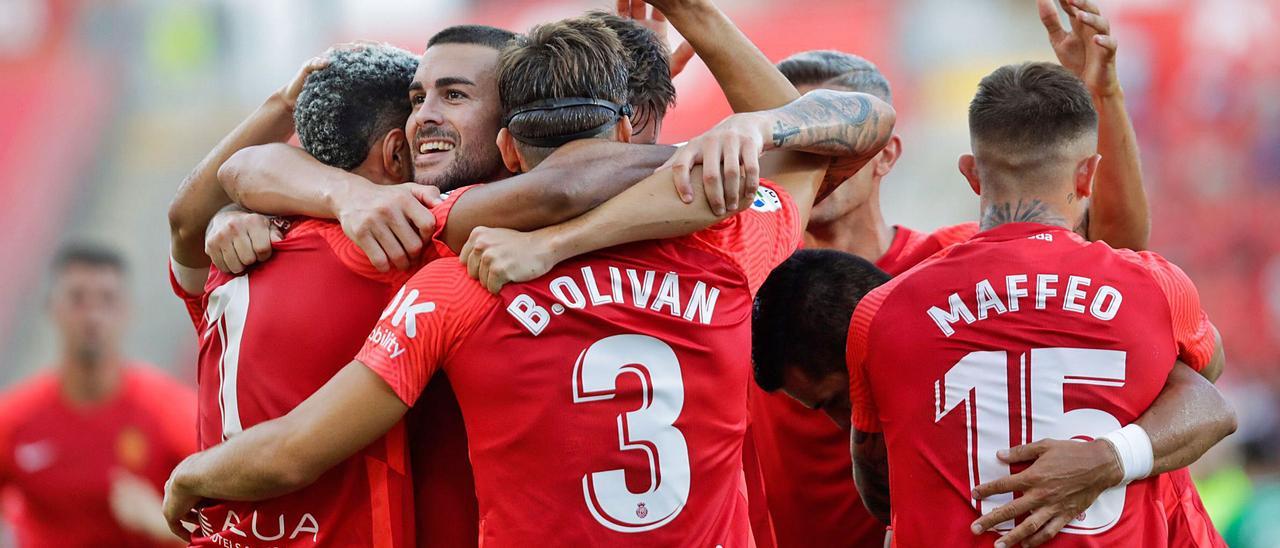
[409,311]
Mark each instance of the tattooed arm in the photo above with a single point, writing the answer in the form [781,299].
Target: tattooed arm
[871,472]
[850,126]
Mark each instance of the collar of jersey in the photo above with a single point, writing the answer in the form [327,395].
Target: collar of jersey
[1012,231]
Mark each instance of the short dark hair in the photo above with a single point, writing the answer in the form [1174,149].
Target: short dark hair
[481,35]
[349,105]
[88,254]
[574,58]
[802,313]
[649,87]
[1030,106]
[831,68]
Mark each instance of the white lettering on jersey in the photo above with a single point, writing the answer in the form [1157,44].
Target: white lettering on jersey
[1104,304]
[533,317]
[408,312]
[568,293]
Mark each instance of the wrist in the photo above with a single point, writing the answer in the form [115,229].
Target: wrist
[1113,93]
[1133,451]
[688,10]
[1113,470]
[338,193]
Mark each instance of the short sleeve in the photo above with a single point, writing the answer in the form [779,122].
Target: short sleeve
[355,259]
[194,303]
[1192,331]
[865,415]
[762,237]
[423,326]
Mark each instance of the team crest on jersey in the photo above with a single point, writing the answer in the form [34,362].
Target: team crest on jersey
[641,511]
[766,200]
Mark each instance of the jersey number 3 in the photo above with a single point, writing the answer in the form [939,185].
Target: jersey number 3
[649,429]
[979,383]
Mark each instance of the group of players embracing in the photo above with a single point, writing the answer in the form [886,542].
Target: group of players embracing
[549,337]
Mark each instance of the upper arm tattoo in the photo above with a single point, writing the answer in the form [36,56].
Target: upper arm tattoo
[871,472]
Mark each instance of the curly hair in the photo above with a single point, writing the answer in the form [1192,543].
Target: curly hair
[347,106]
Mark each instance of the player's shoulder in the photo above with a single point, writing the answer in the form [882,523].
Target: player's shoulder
[27,395]
[1169,276]
[152,380]
[954,234]
[445,281]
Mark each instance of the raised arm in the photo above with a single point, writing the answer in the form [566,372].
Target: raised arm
[750,83]
[749,80]
[200,196]
[1118,212]
[288,453]
[1186,419]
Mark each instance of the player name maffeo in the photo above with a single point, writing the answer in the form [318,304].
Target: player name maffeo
[623,286]
[1102,303]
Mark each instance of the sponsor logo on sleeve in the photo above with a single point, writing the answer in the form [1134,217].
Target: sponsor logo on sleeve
[766,201]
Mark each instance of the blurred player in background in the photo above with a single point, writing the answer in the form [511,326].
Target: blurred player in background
[434,315]
[85,448]
[804,456]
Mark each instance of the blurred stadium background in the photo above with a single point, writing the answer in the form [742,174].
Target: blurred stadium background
[107,104]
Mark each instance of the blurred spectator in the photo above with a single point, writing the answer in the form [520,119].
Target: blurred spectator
[85,447]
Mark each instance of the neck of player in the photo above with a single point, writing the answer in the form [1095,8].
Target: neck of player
[89,379]
[1063,209]
[861,231]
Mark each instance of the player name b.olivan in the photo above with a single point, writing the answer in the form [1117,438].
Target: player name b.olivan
[624,286]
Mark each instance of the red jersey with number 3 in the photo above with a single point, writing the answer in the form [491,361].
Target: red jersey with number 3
[605,403]
[1023,333]
[804,456]
[270,338]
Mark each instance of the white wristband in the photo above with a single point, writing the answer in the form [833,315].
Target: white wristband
[1133,446]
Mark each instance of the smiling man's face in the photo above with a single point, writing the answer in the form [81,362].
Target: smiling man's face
[456,113]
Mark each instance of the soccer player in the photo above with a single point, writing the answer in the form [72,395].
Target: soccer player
[85,448]
[1023,333]
[548,467]
[805,456]
[241,379]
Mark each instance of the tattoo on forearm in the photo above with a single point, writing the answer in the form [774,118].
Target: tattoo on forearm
[871,472]
[1023,211]
[832,123]
[844,125]
[782,132]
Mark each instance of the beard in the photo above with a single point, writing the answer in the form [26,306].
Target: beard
[467,168]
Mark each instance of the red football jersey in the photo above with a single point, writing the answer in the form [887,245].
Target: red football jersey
[605,403]
[268,340]
[58,459]
[804,456]
[1025,332]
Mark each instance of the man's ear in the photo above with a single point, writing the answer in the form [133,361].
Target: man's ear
[1085,171]
[395,156]
[969,168]
[622,130]
[888,156]
[510,153]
